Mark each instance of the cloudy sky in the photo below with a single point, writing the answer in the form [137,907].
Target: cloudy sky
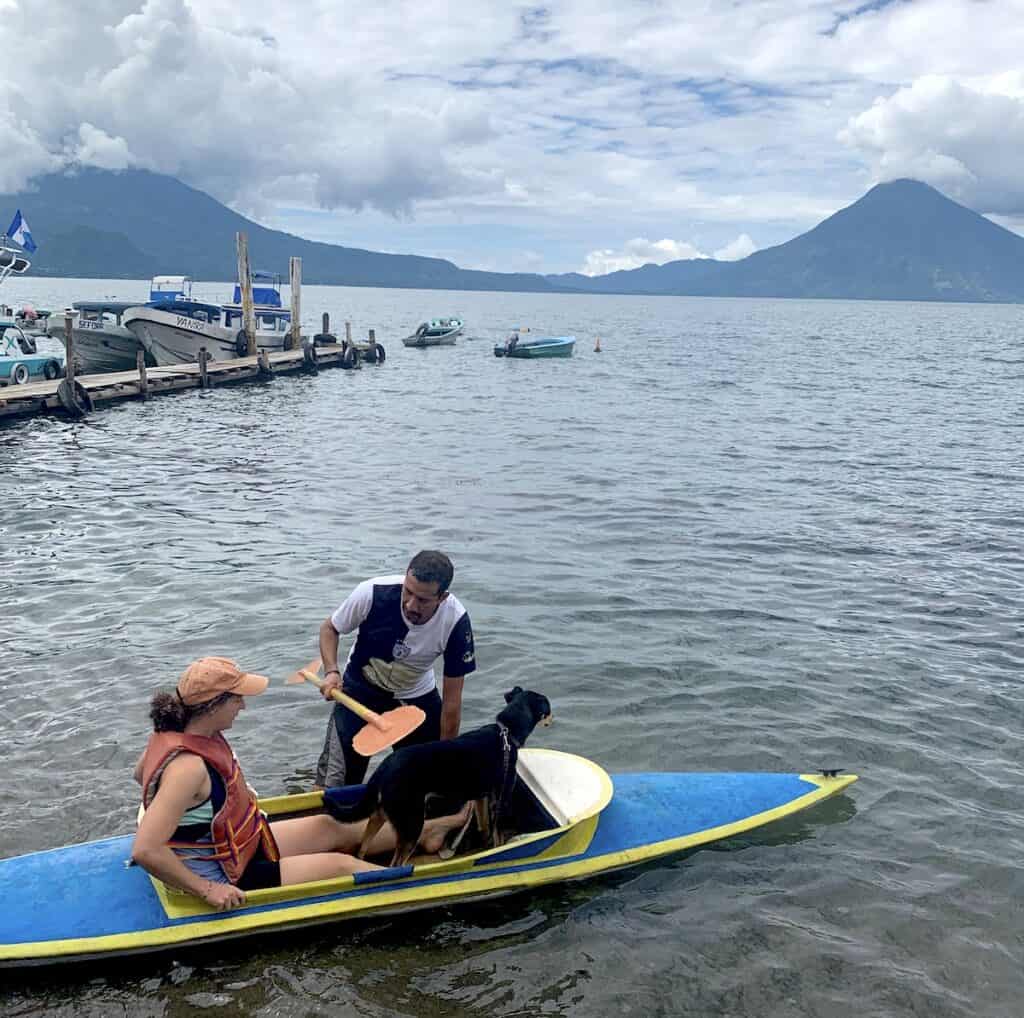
[573,136]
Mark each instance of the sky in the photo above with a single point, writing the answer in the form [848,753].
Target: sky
[575,136]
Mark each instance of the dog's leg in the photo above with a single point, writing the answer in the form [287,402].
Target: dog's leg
[407,836]
[374,823]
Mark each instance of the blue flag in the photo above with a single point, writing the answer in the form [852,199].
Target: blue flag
[19,232]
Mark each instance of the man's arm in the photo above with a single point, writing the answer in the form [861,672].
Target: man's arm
[451,705]
[346,619]
[329,656]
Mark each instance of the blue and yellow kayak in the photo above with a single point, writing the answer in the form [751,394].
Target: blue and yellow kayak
[572,820]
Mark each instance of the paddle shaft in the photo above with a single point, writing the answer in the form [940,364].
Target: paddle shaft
[343,698]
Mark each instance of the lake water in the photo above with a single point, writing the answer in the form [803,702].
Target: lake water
[748,535]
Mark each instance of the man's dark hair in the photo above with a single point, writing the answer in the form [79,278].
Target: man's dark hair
[432,567]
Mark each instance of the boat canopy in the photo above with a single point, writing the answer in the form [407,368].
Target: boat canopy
[268,295]
[115,307]
[165,288]
[12,262]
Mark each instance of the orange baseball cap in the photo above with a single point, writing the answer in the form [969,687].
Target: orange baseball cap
[208,677]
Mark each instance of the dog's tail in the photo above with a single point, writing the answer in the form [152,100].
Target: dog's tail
[351,803]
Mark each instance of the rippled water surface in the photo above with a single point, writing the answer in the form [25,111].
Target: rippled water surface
[747,535]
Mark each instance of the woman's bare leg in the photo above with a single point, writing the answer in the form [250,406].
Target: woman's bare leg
[307,836]
[297,869]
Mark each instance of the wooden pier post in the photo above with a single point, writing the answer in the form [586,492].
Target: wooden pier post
[140,363]
[294,340]
[325,321]
[373,336]
[204,374]
[245,283]
[348,333]
[69,348]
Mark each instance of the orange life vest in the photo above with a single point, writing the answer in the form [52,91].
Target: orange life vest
[239,828]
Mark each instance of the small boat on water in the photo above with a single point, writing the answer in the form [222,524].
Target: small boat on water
[20,361]
[436,332]
[568,819]
[173,332]
[535,346]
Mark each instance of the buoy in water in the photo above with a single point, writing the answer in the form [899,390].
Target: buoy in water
[597,345]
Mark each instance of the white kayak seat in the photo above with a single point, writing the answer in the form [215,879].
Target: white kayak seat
[568,787]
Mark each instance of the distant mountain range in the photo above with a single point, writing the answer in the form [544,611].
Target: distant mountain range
[902,241]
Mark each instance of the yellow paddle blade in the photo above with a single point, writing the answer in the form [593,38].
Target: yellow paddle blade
[398,723]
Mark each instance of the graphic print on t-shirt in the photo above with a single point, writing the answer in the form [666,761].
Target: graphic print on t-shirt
[394,655]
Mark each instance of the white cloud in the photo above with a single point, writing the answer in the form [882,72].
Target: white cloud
[96,148]
[736,249]
[713,119]
[965,139]
[636,252]
[641,251]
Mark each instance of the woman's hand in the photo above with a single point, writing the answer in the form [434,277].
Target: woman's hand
[223,897]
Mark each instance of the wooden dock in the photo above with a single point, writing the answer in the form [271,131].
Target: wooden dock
[87,392]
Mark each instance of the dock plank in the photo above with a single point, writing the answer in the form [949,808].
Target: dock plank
[41,396]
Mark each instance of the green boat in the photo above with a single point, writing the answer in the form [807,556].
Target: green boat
[538,346]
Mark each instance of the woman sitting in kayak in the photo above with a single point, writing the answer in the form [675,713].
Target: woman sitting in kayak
[202,830]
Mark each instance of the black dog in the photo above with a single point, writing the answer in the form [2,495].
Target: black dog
[479,765]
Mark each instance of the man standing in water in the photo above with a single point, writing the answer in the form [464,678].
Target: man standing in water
[404,624]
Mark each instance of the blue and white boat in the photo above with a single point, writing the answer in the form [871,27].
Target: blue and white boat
[436,332]
[173,332]
[535,346]
[20,361]
[568,820]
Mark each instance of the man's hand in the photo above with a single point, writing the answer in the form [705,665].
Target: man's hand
[332,681]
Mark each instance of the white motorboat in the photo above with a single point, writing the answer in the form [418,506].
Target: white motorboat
[100,338]
[173,332]
[436,332]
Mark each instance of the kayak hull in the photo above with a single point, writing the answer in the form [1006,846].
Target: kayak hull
[84,901]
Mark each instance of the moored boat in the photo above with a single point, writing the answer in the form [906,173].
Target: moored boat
[436,332]
[174,331]
[100,338]
[568,819]
[535,346]
[20,361]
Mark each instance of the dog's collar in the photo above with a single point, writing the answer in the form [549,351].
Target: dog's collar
[506,735]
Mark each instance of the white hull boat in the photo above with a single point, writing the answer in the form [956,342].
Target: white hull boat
[436,332]
[175,333]
[100,340]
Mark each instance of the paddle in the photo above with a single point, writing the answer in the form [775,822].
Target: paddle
[381,730]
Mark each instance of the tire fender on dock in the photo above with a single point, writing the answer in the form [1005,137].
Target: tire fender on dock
[75,400]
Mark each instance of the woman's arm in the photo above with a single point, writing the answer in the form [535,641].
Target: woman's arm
[183,783]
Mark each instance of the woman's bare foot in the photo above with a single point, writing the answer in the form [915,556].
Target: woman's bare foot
[434,831]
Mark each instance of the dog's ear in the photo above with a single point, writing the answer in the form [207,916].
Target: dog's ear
[513,693]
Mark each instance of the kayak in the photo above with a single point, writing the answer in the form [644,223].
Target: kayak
[567,819]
